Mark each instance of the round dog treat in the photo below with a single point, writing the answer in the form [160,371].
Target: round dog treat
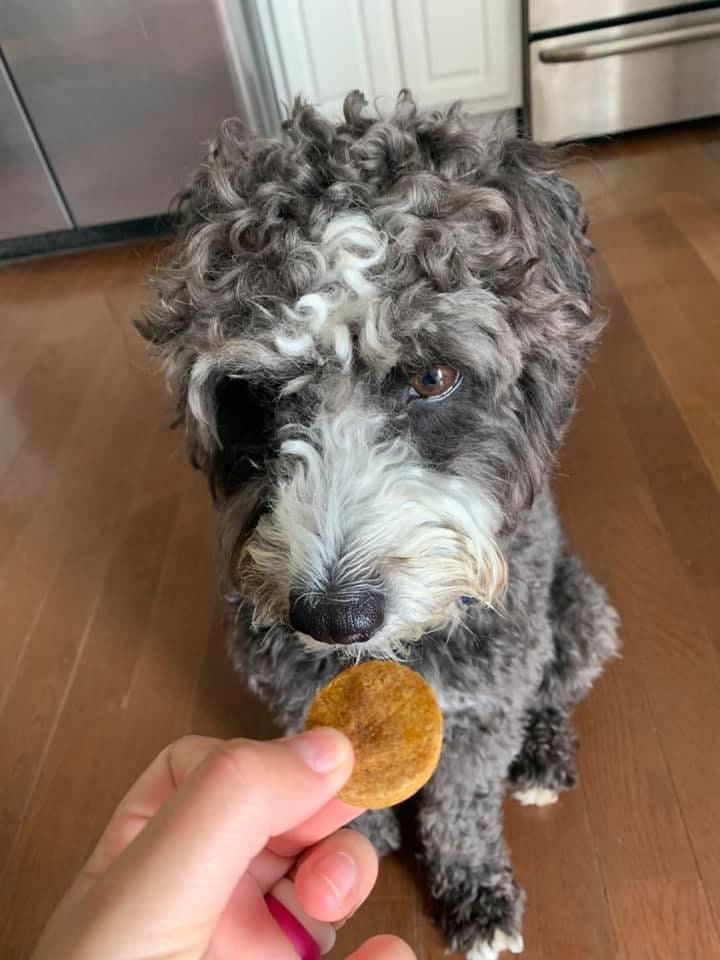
[393,721]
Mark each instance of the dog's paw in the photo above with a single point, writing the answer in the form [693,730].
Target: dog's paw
[482,920]
[547,757]
[536,797]
[484,950]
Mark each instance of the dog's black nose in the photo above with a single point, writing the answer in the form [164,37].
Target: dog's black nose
[332,620]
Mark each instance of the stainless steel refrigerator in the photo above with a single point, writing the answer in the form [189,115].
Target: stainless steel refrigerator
[105,104]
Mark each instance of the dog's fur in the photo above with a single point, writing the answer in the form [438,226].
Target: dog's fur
[312,279]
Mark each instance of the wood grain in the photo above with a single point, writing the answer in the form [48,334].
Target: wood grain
[111,634]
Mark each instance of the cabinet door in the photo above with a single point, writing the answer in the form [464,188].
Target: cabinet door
[443,50]
[467,50]
[322,49]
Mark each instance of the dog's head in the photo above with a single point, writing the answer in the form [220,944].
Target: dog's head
[375,332]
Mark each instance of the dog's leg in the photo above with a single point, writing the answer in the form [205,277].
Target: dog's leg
[382,829]
[475,899]
[546,763]
[584,635]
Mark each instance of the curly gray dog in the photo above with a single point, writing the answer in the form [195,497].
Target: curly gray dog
[375,331]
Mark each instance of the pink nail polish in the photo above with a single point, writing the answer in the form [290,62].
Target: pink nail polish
[311,938]
[296,933]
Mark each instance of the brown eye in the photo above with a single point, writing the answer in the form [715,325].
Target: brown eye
[434,383]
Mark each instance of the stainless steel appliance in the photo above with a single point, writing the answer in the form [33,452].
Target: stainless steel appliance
[104,105]
[29,200]
[603,66]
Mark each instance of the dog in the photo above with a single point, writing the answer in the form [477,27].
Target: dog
[374,330]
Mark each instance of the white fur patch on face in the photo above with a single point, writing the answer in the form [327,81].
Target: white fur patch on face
[365,513]
[347,302]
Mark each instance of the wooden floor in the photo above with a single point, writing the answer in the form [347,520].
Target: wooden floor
[110,644]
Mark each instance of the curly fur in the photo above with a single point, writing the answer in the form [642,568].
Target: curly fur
[313,276]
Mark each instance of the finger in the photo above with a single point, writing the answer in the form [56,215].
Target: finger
[326,821]
[384,948]
[277,859]
[147,795]
[336,876]
[274,862]
[162,779]
[189,857]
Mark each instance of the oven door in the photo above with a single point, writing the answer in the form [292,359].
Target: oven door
[562,14]
[624,78]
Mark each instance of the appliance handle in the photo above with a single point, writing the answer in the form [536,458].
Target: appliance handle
[644,41]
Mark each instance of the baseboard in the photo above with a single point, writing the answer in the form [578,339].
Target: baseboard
[82,238]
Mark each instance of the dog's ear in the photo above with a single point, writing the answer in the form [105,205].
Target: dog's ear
[185,319]
[237,250]
[550,220]
[175,332]
[551,309]
[167,327]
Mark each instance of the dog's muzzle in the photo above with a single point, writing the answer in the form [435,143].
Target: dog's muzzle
[337,620]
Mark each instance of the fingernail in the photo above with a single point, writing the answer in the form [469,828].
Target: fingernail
[339,871]
[323,749]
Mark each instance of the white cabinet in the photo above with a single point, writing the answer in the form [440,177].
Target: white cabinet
[443,50]
[462,50]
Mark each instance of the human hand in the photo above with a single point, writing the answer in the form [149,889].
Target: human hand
[183,867]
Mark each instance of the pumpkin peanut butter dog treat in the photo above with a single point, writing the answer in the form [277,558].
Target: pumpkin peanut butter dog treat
[392,719]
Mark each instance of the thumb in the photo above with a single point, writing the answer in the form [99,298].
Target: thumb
[189,857]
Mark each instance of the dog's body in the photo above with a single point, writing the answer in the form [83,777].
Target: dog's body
[375,331]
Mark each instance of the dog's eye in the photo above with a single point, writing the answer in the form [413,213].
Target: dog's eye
[244,419]
[243,414]
[435,383]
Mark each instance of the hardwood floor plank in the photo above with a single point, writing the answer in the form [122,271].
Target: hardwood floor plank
[31,317]
[17,350]
[166,674]
[53,523]
[690,283]
[657,900]
[701,225]
[685,360]
[667,644]
[43,510]
[696,294]
[222,706]
[635,768]
[567,913]
[50,661]
[83,776]
[704,424]
[388,916]
[639,168]
[59,361]
[29,554]
[686,497]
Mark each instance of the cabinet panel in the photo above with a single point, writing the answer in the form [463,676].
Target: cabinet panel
[443,50]
[324,49]
[28,203]
[462,50]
